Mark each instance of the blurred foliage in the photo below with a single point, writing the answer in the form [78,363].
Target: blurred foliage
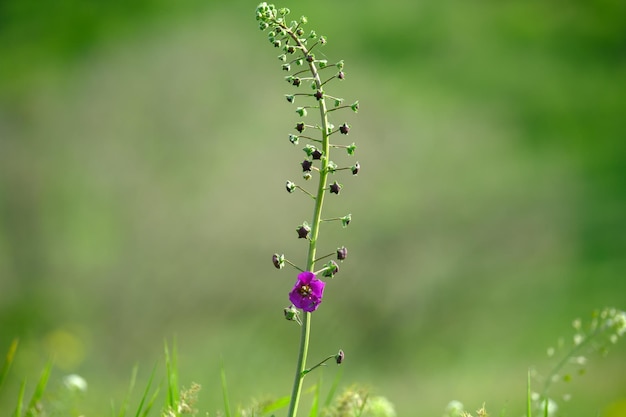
[143,152]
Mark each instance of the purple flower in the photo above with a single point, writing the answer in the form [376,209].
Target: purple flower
[308,291]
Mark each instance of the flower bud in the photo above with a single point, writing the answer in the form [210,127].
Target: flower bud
[331,167]
[316,154]
[278,261]
[323,40]
[296,81]
[355,168]
[339,357]
[290,186]
[303,230]
[300,127]
[282,57]
[355,106]
[342,253]
[345,220]
[293,139]
[344,129]
[292,314]
[291,49]
[303,20]
[310,58]
[335,187]
[341,75]
[290,97]
[307,176]
[300,32]
[286,67]
[301,111]
[351,149]
[318,95]
[306,165]
[331,269]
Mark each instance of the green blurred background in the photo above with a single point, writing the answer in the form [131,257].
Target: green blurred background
[143,155]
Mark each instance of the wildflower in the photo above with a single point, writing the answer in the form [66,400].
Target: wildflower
[339,357]
[290,186]
[306,165]
[342,253]
[344,129]
[300,127]
[307,292]
[335,187]
[355,168]
[318,95]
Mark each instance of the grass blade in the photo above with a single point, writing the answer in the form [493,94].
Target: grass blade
[151,402]
[276,405]
[316,399]
[333,389]
[39,390]
[145,392]
[225,391]
[133,380]
[172,376]
[20,400]
[528,397]
[8,361]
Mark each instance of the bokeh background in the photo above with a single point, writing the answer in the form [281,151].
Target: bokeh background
[143,155]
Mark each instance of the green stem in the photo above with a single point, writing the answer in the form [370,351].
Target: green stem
[315,228]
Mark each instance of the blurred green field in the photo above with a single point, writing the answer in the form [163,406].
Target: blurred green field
[143,155]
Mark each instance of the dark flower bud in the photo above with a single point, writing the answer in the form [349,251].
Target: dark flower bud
[331,269]
[339,357]
[335,187]
[316,154]
[344,129]
[286,67]
[277,43]
[318,95]
[300,127]
[341,75]
[296,81]
[291,49]
[306,165]
[290,186]
[342,253]
[310,58]
[300,32]
[303,231]
[355,168]
[278,261]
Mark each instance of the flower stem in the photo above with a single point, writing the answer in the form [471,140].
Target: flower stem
[315,228]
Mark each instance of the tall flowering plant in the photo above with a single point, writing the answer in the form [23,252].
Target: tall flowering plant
[297,48]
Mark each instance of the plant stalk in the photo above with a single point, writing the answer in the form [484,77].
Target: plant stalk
[315,228]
